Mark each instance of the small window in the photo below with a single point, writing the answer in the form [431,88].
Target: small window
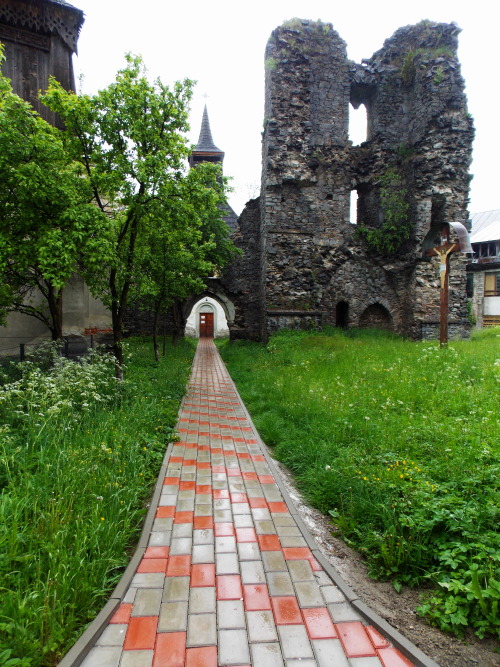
[358,124]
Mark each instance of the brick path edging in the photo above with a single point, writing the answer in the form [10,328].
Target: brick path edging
[85,643]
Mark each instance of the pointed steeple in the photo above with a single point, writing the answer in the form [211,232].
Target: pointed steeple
[205,150]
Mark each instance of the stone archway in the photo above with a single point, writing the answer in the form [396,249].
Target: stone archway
[204,310]
[376,315]
[219,303]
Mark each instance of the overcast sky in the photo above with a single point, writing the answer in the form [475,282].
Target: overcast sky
[220,44]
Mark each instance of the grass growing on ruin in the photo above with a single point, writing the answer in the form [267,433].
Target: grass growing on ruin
[399,442]
[78,457]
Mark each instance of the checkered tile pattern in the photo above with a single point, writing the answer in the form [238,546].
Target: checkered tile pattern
[227,578]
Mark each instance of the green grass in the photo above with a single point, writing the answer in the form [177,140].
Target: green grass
[399,442]
[78,458]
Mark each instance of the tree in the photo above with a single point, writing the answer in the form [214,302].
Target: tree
[130,140]
[190,243]
[47,219]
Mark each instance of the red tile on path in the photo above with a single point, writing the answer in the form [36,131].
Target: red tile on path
[229,587]
[249,475]
[239,498]
[165,512]
[203,656]
[186,486]
[202,575]
[203,465]
[355,640]
[286,610]
[141,633]
[171,480]
[157,552]
[170,649]
[257,502]
[319,623]
[122,614]
[224,529]
[179,566]
[391,657]
[315,565]
[176,459]
[278,508]
[220,494]
[258,457]
[233,472]
[376,638]
[256,597]
[187,463]
[183,517]
[266,479]
[297,553]
[203,523]
[152,565]
[203,488]
[269,543]
[246,535]
[218,469]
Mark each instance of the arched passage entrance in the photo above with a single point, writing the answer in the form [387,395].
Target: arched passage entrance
[207,319]
[376,315]
[212,300]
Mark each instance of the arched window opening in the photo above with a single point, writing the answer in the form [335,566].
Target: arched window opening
[342,315]
[358,124]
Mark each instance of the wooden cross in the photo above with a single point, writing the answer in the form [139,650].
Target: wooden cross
[444,251]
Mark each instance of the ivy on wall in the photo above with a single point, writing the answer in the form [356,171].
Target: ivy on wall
[396,226]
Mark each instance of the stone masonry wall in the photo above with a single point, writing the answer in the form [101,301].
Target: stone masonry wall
[309,265]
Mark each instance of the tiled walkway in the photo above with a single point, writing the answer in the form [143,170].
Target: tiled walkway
[228,577]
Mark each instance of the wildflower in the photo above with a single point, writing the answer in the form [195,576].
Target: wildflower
[99,498]
[328,467]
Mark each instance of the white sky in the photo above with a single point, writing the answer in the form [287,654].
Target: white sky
[220,44]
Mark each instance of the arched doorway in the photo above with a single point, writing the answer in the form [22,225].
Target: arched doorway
[207,319]
[342,315]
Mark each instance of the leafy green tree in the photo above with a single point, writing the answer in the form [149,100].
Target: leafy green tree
[47,219]
[130,140]
[190,243]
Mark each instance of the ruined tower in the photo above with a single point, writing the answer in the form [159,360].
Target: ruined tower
[410,176]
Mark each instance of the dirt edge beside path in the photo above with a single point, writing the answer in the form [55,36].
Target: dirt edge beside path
[398,609]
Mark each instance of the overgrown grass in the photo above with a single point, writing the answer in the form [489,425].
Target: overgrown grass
[78,458]
[399,442]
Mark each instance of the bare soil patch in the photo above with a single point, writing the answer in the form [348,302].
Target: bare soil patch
[398,609]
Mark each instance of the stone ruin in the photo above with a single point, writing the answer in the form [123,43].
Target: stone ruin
[304,264]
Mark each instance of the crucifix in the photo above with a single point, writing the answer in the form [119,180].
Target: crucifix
[443,251]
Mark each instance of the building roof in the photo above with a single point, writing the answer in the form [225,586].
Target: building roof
[205,142]
[485,226]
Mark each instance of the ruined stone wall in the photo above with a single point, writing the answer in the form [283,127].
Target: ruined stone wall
[241,282]
[314,266]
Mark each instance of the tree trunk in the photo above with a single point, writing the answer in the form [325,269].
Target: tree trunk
[117,340]
[54,299]
[179,322]
[155,335]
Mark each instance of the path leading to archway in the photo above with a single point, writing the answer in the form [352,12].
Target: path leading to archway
[229,574]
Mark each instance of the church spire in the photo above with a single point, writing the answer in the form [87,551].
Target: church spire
[205,150]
